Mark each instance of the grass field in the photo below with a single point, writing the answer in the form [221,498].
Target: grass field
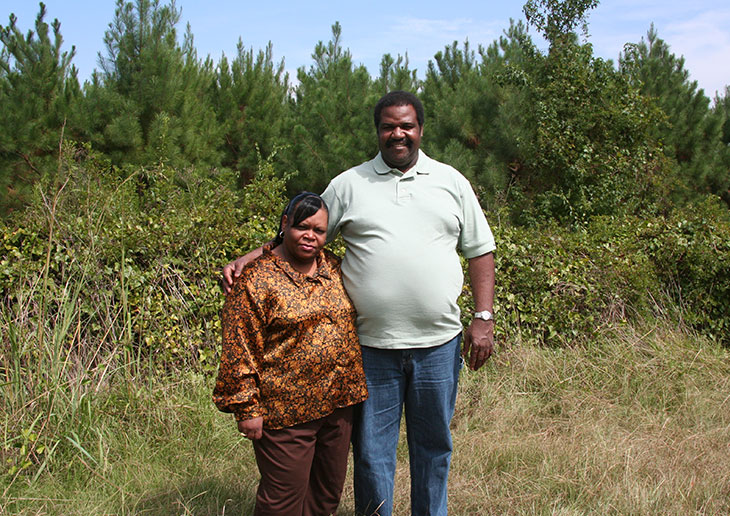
[636,423]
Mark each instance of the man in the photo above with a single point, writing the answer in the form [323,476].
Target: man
[402,216]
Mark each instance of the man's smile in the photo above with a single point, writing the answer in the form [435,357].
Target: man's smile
[399,143]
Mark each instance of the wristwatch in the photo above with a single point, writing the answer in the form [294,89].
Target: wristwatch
[485,315]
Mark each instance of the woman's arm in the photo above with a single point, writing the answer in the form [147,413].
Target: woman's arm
[236,388]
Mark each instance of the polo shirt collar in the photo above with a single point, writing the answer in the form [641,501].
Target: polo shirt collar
[421,167]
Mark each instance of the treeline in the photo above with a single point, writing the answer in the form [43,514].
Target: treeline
[607,187]
[559,135]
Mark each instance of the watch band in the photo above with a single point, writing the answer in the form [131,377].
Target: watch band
[485,315]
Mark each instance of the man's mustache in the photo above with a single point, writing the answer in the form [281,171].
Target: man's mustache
[406,141]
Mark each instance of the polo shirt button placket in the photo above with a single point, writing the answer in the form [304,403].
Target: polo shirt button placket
[403,189]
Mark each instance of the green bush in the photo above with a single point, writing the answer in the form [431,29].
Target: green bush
[556,285]
[146,245]
[691,255]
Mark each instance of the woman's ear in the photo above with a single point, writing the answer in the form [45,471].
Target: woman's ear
[284,222]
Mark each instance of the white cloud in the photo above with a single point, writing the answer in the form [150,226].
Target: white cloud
[704,41]
[421,38]
[699,31]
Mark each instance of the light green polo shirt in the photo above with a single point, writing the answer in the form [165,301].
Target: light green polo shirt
[401,267]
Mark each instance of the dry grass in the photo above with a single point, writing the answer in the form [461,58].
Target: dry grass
[637,424]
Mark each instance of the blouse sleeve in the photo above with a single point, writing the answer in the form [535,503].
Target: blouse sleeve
[237,387]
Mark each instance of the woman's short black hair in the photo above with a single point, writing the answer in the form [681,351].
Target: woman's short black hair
[302,206]
[398,98]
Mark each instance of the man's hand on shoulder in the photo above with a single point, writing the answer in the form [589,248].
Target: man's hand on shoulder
[478,343]
[233,270]
[230,272]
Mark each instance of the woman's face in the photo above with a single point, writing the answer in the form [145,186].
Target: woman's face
[304,240]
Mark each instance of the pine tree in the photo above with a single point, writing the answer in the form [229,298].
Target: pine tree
[476,121]
[721,177]
[396,75]
[332,124]
[38,87]
[250,99]
[151,101]
[691,132]
[459,103]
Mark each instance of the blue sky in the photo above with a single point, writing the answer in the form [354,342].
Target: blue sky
[698,30]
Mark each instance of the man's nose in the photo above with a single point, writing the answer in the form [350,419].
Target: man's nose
[398,133]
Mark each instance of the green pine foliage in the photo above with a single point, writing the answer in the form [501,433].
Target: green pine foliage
[721,177]
[691,132]
[151,102]
[396,75]
[38,90]
[460,99]
[476,110]
[331,125]
[251,103]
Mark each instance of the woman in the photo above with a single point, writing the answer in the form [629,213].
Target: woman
[291,368]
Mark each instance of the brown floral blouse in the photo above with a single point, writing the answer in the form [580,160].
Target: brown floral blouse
[290,349]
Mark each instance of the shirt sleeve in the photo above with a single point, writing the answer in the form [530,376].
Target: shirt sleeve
[237,387]
[476,236]
[335,211]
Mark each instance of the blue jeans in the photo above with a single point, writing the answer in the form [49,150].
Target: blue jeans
[424,380]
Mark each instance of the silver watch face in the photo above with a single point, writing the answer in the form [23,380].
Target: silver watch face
[485,315]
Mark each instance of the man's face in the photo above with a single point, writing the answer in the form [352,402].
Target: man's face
[399,136]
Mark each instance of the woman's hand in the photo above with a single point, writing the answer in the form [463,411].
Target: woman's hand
[252,428]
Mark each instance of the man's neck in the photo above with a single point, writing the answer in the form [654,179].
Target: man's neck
[404,168]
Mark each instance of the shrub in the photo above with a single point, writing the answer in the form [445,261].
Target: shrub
[153,240]
[556,285]
[691,255]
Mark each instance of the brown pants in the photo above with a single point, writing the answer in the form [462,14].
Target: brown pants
[303,467]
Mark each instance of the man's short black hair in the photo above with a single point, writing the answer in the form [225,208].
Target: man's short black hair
[398,98]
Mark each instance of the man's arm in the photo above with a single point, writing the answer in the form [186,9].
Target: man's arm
[233,269]
[479,336]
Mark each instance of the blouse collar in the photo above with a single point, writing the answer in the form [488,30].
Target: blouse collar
[322,271]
